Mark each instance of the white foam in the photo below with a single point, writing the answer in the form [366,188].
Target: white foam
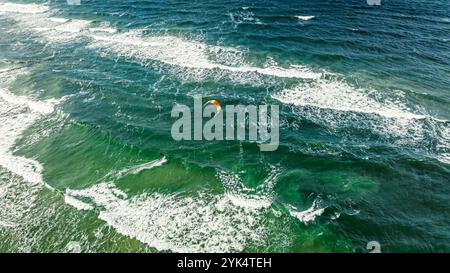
[54,29]
[21,178]
[260,197]
[16,114]
[179,52]
[244,16]
[23,8]
[170,50]
[72,26]
[17,198]
[77,203]
[308,215]
[58,20]
[59,30]
[337,105]
[338,95]
[305,18]
[443,145]
[202,223]
[249,201]
[40,107]
[444,158]
[73,247]
[141,167]
[103,29]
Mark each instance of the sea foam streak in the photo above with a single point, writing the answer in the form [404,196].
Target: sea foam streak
[263,196]
[17,197]
[23,8]
[166,49]
[80,205]
[179,52]
[336,105]
[307,215]
[16,114]
[202,223]
[338,95]
[327,97]
[21,178]
[141,167]
[305,18]
[248,198]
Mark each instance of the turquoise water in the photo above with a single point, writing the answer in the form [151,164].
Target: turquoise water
[86,93]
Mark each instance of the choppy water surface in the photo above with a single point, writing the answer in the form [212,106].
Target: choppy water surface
[85,98]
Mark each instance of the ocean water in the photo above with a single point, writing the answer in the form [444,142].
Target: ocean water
[86,93]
